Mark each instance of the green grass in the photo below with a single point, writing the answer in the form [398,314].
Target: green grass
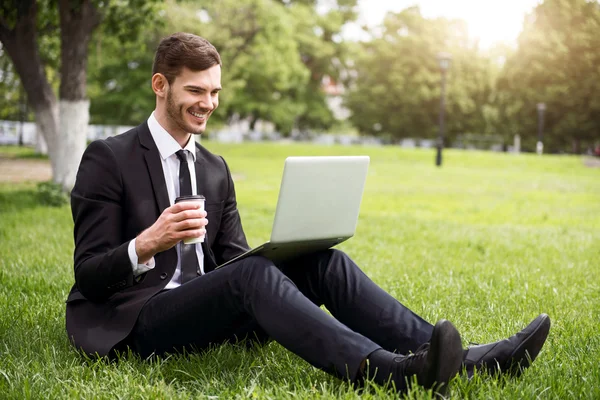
[488,241]
[23,152]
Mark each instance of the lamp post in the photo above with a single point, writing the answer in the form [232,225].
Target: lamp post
[444,62]
[541,108]
[22,113]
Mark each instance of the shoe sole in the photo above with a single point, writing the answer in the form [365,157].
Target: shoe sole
[528,350]
[447,353]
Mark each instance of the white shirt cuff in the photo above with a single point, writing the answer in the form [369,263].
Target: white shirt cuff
[138,269]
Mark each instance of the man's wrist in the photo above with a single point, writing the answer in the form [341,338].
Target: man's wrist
[142,250]
[138,266]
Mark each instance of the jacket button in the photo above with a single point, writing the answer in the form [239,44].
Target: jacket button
[163,276]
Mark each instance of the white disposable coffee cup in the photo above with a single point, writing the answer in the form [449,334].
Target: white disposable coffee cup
[199,199]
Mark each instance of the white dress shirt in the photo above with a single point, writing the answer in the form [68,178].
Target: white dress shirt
[167,147]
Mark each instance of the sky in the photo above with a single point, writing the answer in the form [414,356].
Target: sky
[489,20]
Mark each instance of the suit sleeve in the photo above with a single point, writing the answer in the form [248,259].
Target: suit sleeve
[101,260]
[230,240]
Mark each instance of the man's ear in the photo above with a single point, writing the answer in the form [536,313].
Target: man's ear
[160,85]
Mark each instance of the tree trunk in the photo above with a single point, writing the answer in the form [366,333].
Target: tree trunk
[20,43]
[78,19]
[65,141]
[74,118]
[40,142]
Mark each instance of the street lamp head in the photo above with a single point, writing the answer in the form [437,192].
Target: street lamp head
[444,60]
[541,107]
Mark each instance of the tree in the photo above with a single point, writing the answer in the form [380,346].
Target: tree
[24,25]
[395,91]
[324,54]
[557,63]
[275,54]
[120,87]
[279,52]
[260,58]
[262,64]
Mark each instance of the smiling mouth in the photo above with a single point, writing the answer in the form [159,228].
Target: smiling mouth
[199,116]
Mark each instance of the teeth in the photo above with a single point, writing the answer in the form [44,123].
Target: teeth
[195,114]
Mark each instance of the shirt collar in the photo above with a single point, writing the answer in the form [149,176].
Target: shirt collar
[167,146]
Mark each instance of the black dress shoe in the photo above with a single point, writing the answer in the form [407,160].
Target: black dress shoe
[443,357]
[433,365]
[512,355]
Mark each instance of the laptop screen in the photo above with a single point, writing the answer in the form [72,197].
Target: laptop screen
[319,198]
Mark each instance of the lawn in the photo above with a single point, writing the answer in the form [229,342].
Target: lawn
[488,241]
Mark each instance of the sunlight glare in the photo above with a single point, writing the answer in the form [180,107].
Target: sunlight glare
[489,21]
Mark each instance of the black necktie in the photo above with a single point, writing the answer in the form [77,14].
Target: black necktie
[189,259]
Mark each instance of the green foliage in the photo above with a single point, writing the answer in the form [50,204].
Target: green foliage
[121,22]
[261,60]
[120,62]
[127,20]
[557,63]
[396,89]
[274,54]
[48,27]
[488,242]
[324,53]
[119,87]
[12,98]
[52,194]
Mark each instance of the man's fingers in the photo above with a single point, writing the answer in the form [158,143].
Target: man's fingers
[191,233]
[188,214]
[192,223]
[185,205]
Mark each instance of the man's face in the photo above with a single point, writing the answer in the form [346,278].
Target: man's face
[191,99]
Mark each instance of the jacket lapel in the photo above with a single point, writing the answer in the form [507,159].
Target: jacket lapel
[201,181]
[152,158]
[200,172]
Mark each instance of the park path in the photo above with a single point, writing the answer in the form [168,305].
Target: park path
[591,162]
[23,170]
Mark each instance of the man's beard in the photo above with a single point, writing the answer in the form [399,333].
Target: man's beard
[175,114]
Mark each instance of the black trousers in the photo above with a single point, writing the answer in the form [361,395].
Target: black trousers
[254,298]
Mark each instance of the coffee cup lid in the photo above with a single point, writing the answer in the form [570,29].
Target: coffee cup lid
[190,197]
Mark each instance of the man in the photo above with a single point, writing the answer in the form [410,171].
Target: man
[138,286]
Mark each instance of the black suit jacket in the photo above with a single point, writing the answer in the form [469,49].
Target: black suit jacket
[120,190]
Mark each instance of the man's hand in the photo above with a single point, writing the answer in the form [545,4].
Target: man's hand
[180,221]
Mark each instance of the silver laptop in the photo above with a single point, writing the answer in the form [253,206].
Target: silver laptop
[318,206]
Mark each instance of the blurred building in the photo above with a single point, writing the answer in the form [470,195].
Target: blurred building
[334,91]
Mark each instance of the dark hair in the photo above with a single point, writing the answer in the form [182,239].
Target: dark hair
[184,50]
